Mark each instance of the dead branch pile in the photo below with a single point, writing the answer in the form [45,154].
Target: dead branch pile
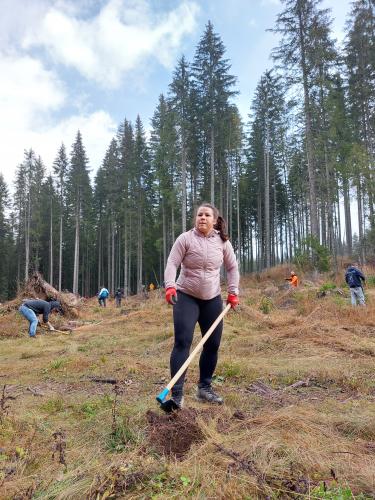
[37,288]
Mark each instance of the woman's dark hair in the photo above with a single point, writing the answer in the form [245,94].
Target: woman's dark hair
[220,225]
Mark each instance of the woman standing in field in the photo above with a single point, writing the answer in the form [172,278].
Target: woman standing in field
[196,295]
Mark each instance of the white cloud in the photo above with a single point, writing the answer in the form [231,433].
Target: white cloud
[26,86]
[29,95]
[121,37]
[38,109]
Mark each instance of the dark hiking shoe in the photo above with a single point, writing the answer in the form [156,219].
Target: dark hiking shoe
[206,393]
[178,399]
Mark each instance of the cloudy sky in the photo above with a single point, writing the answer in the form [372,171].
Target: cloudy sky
[87,64]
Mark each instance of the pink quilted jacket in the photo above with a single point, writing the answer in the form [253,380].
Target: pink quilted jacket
[201,258]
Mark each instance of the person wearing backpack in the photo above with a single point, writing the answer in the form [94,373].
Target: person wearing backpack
[354,278]
[103,296]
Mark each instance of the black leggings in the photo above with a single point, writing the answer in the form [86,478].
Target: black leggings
[186,313]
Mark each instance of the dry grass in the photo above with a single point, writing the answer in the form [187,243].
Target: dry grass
[67,432]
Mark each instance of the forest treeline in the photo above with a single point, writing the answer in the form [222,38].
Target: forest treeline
[279,179]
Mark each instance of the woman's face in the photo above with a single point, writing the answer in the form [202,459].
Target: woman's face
[204,220]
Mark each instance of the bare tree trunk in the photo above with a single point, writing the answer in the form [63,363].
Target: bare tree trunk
[118,260]
[139,255]
[126,256]
[275,223]
[164,238]
[360,220]
[308,130]
[130,259]
[172,224]
[109,256]
[267,229]
[100,256]
[113,260]
[60,249]
[260,256]
[51,248]
[348,218]
[238,221]
[251,249]
[76,248]
[338,220]
[27,237]
[183,165]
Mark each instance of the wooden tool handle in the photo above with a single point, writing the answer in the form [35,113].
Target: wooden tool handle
[197,347]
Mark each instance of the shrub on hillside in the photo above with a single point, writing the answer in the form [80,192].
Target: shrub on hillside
[313,255]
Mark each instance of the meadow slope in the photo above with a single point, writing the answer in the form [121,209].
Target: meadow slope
[78,416]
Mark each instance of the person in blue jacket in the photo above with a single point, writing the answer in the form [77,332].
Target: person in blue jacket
[31,308]
[103,296]
[355,279]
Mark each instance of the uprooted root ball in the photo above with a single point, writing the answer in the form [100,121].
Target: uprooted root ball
[174,433]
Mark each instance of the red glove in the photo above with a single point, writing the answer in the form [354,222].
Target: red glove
[171,296]
[232,300]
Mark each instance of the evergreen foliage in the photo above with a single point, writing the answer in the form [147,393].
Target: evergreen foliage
[308,150]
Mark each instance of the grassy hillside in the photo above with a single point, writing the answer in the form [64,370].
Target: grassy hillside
[78,416]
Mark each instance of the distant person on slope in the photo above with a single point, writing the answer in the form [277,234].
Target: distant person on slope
[103,296]
[31,308]
[196,295]
[118,297]
[294,282]
[354,278]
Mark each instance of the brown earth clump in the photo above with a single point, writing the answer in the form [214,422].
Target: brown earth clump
[173,434]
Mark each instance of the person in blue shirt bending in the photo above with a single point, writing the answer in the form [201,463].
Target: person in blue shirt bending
[355,279]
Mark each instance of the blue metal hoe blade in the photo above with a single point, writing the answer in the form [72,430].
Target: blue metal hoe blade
[167,405]
[161,397]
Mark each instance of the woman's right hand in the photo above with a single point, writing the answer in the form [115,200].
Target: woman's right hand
[233,300]
[171,296]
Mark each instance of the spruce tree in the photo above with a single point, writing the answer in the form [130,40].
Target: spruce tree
[79,205]
[214,87]
[360,62]
[60,169]
[304,47]
[6,245]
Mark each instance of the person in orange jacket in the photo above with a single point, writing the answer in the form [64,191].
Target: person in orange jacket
[293,279]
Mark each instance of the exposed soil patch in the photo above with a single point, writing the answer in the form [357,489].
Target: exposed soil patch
[173,434]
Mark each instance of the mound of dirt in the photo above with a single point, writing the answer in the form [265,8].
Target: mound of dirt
[173,434]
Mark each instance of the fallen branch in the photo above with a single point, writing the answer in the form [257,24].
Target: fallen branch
[99,380]
[300,383]
[34,392]
[262,389]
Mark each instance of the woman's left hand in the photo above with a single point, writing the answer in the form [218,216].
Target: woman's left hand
[233,300]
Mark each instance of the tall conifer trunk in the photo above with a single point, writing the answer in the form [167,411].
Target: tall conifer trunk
[183,180]
[60,248]
[27,237]
[212,165]
[76,248]
[51,247]
[126,257]
[267,228]
[308,128]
